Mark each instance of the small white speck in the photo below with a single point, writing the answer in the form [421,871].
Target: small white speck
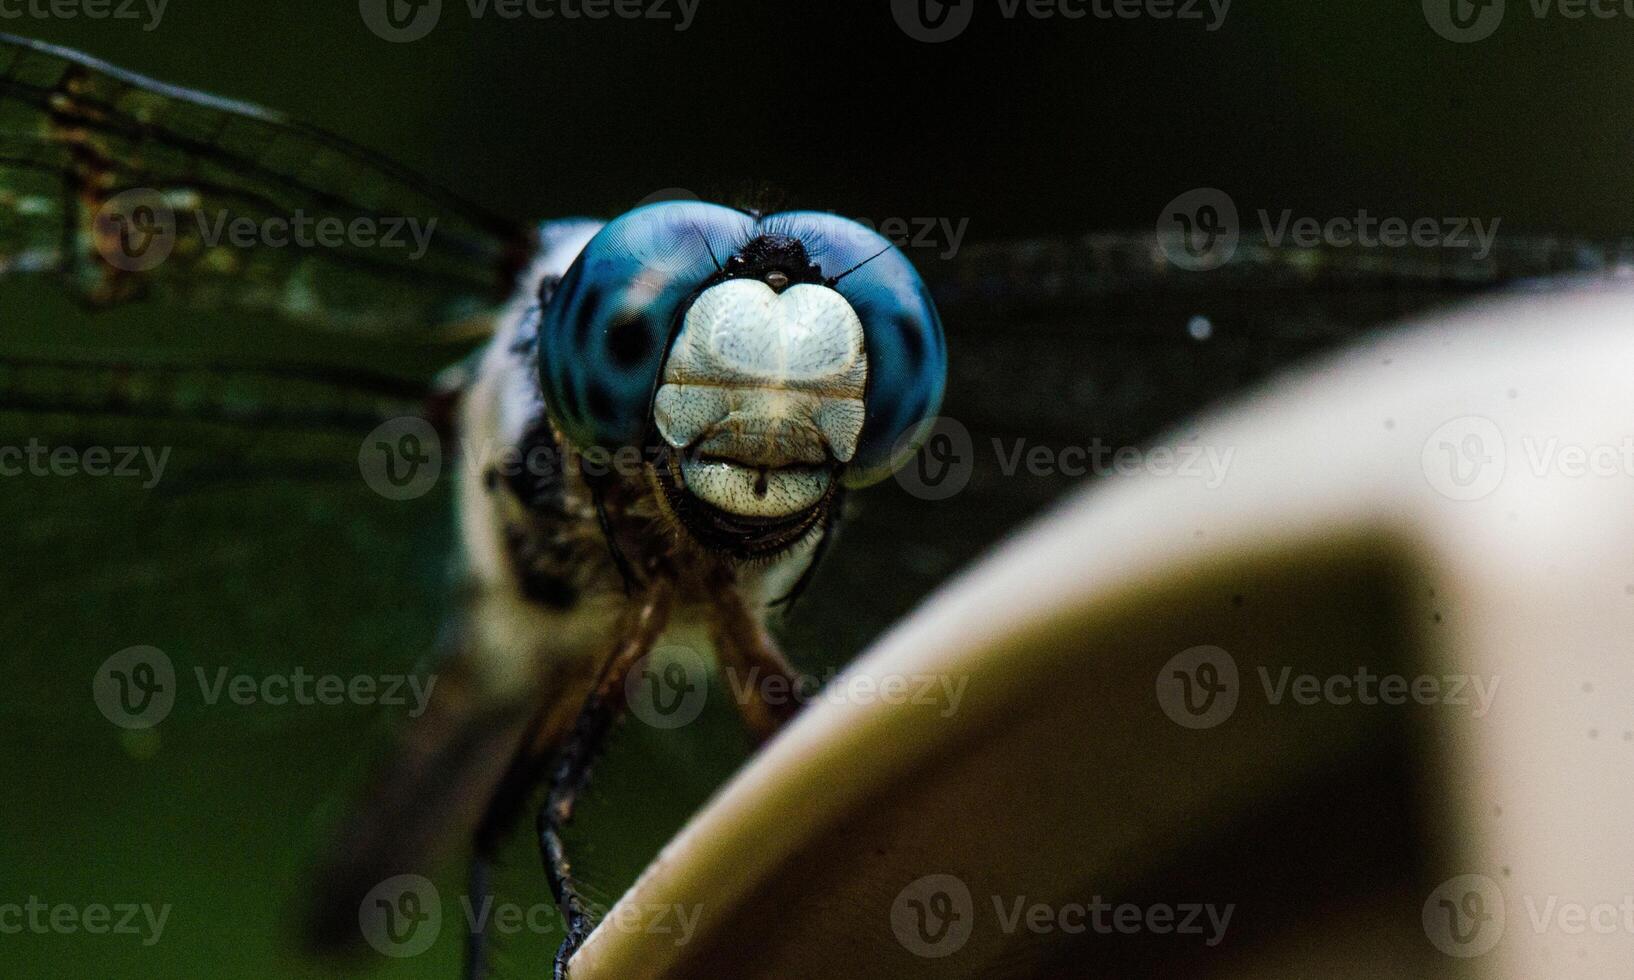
[1200,328]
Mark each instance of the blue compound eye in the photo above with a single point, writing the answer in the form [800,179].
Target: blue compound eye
[612,321]
[604,333]
[907,355]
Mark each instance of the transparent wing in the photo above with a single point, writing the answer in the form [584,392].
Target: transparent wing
[1075,273]
[219,515]
[130,188]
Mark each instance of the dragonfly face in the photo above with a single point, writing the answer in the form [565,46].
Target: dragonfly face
[758,365]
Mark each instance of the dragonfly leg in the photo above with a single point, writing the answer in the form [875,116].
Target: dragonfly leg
[773,688]
[571,770]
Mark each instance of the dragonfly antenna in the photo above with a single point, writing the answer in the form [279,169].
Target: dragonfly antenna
[859,265]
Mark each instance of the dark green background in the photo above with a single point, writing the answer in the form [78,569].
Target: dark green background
[266,552]
[1025,126]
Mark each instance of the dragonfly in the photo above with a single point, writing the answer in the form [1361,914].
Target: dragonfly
[661,417]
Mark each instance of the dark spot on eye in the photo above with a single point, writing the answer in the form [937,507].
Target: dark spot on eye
[601,401]
[589,300]
[629,341]
[913,343]
[576,400]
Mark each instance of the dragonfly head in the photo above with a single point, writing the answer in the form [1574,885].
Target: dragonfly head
[762,363]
